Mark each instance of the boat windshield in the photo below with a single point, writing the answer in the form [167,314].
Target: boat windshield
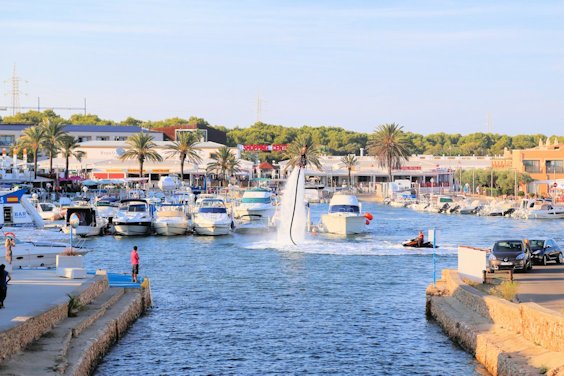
[46,207]
[138,208]
[255,200]
[344,209]
[212,210]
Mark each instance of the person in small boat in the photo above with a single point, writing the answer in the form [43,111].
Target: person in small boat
[420,238]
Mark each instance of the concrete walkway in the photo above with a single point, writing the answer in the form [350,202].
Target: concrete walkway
[33,291]
[544,286]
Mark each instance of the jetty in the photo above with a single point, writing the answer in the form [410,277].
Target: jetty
[60,326]
[524,336]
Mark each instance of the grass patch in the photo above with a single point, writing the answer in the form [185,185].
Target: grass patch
[73,306]
[506,290]
[543,370]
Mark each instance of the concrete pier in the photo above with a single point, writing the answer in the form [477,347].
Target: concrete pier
[37,335]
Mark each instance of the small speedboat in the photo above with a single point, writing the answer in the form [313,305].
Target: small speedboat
[170,219]
[211,217]
[133,218]
[413,244]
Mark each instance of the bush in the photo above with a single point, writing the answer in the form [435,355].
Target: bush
[506,290]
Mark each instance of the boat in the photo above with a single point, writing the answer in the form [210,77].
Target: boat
[17,210]
[539,209]
[107,207]
[470,207]
[133,218]
[252,223]
[344,216]
[413,244]
[170,219]
[256,202]
[49,211]
[27,253]
[211,217]
[90,223]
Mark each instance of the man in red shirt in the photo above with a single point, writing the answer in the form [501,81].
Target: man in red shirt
[134,264]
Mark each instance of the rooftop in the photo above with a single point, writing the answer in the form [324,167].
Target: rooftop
[83,128]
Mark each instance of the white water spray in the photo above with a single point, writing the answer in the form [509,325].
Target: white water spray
[292,226]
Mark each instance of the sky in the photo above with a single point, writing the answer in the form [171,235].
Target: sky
[430,66]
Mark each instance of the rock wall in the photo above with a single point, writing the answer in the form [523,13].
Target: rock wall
[483,322]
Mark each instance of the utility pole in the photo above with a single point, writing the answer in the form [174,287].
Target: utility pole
[15,92]
[259,108]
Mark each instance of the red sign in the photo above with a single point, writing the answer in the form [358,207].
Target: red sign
[264,147]
[410,167]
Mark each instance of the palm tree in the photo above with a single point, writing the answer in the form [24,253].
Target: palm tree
[141,147]
[349,161]
[53,133]
[33,138]
[223,161]
[389,145]
[184,147]
[68,146]
[295,151]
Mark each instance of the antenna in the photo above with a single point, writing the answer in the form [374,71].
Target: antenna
[489,123]
[259,108]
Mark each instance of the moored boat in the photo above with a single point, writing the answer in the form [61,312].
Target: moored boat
[133,218]
[344,217]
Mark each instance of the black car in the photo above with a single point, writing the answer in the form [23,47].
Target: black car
[545,250]
[510,254]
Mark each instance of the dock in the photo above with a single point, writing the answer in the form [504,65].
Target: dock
[59,326]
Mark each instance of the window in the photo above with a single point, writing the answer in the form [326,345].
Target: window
[554,167]
[120,138]
[7,140]
[84,138]
[532,166]
[102,138]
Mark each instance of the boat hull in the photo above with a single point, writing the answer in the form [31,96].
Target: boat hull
[212,230]
[343,225]
[132,228]
[170,229]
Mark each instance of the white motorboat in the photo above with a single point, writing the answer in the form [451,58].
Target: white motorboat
[211,217]
[133,218]
[251,223]
[90,223]
[256,202]
[17,210]
[40,253]
[107,208]
[470,207]
[49,211]
[344,217]
[170,219]
[539,209]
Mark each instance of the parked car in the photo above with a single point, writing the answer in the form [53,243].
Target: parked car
[545,250]
[510,254]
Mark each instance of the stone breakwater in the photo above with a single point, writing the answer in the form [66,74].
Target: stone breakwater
[507,338]
[55,344]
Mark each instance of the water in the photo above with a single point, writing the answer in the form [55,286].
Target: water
[241,305]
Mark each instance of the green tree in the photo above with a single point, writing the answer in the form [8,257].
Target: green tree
[132,122]
[32,117]
[89,119]
[33,139]
[349,162]
[184,148]
[389,146]
[140,146]
[68,146]
[294,152]
[52,133]
[223,162]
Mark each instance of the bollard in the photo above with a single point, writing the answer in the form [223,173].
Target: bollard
[485,278]
[511,275]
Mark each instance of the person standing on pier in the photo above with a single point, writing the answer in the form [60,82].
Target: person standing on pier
[9,244]
[134,264]
[4,279]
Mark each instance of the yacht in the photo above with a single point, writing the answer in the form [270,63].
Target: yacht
[170,219]
[210,216]
[256,202]
[17,210]
[539,209]
[49,211]
[90,223]
[344,217]
[107,208]
[133,217]
[40,253]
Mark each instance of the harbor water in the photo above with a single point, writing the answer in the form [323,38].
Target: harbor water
[245,305]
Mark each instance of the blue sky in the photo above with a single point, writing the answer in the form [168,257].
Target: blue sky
[430,66]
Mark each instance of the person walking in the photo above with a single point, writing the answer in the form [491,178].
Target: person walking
[4,279]
[9,244]
[134,264]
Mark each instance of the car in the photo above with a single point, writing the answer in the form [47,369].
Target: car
[510,255]
[545,250]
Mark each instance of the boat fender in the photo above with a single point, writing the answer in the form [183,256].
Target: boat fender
[367,222]
[368,216]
